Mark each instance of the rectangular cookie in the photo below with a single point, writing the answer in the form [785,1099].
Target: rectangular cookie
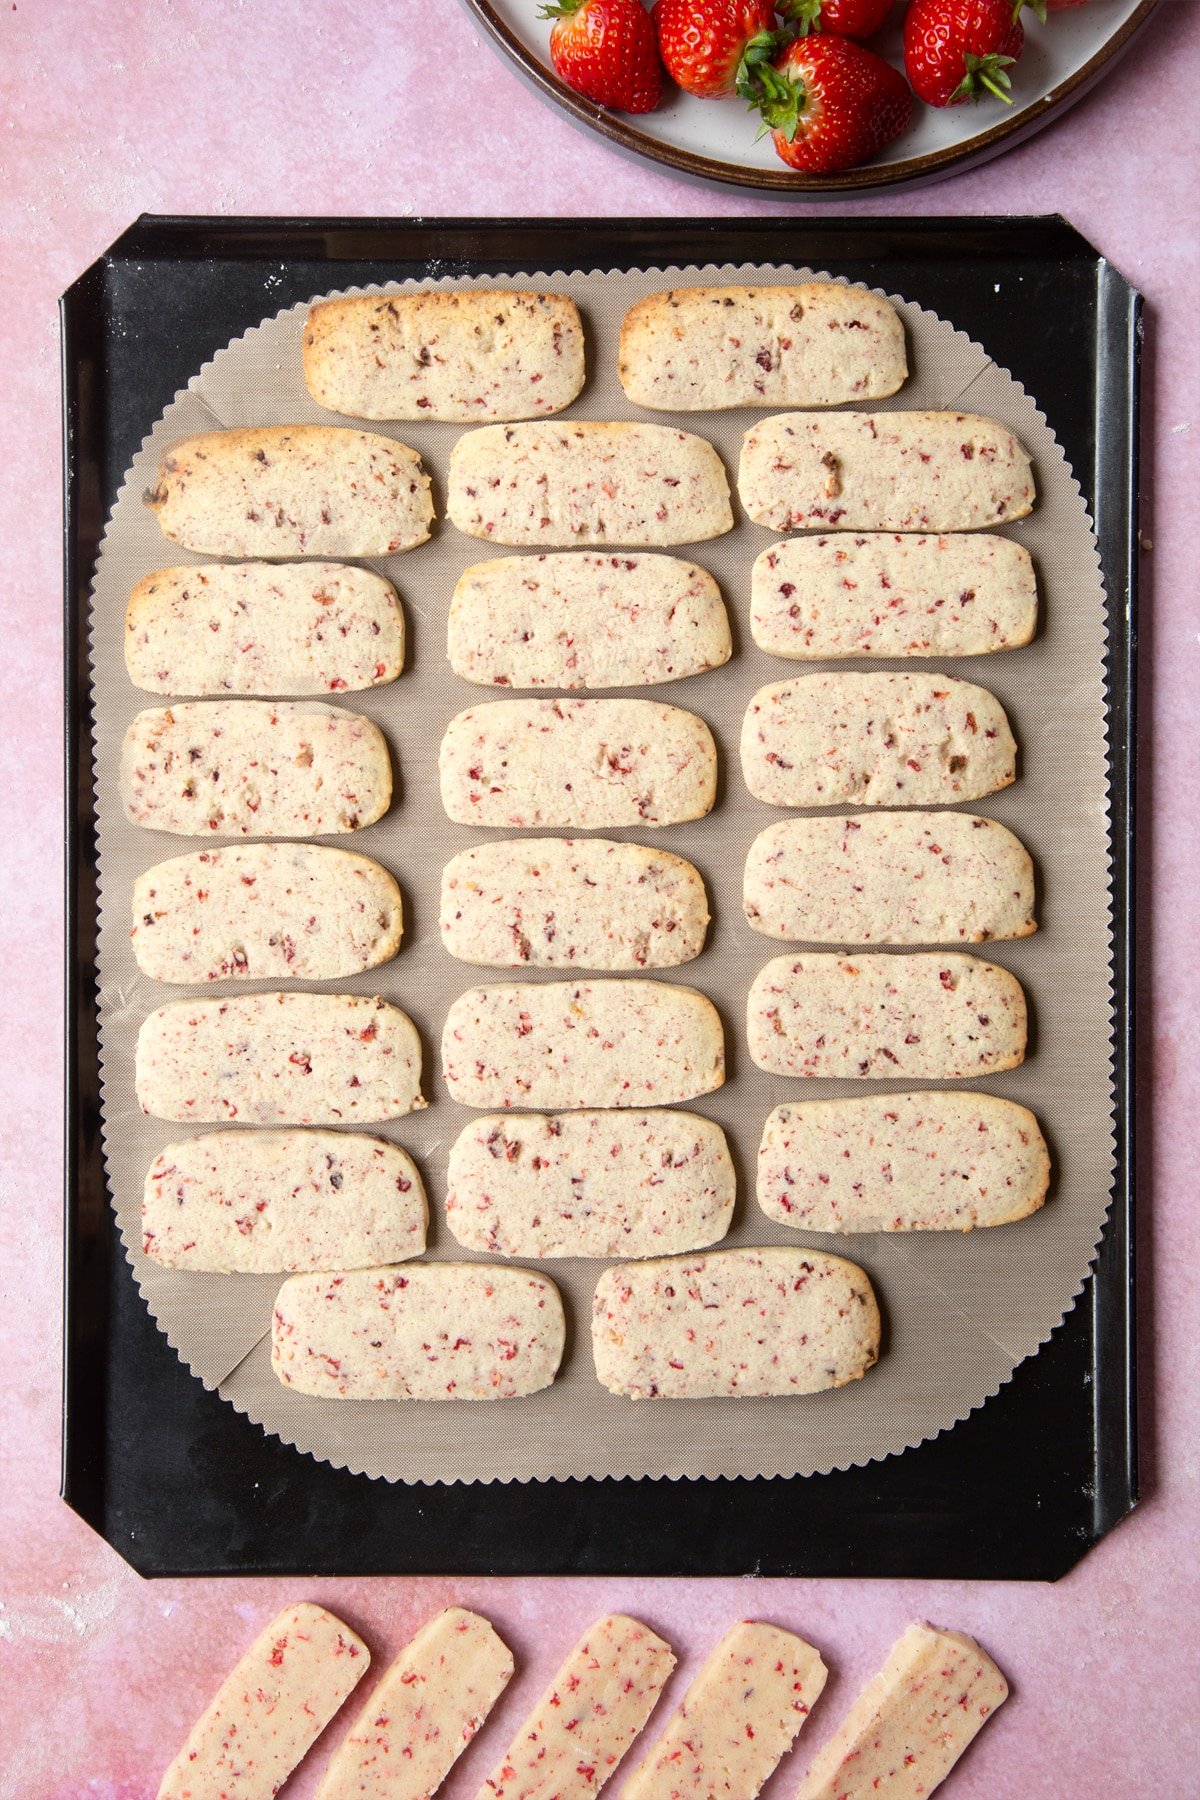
[254,768]
[889,471]
[738,1719]
[263,628]
[579,619]
[967,594]
[937,1016]
[848,739]
[270,1709]
[816,344]
[890,878]
[280,1059]
[590,1184]
[585,903]
[930,1161]
[464,357]
[432,1331]
[912,1721]
[587,482]
[593,1709]
[254,912]
[276,1202]
[733,1323]
[292,490]
[578,764]
[569,1045]
[424,1712]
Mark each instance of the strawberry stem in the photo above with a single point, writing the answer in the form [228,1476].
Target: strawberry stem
[562,10]
[992,88]
[988,72]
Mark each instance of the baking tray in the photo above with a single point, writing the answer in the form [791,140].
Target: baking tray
[168,1473]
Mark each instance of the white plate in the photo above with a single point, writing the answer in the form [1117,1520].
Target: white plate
[714,139]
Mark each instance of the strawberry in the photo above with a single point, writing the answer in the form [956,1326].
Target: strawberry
[607,51]
[845,18]
[953,49]
[829,103]
[712,47]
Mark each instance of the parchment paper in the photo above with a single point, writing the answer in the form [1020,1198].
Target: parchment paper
[960,1311]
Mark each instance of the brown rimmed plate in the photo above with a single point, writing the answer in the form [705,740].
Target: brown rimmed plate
[714,140]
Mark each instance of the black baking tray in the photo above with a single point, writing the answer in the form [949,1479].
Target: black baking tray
[171,1475]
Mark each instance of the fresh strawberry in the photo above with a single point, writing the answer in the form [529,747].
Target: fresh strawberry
[829,103]
[712,47]
[607,51]
[955,49]
[845,18]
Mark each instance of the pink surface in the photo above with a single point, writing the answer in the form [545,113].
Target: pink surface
[281,107]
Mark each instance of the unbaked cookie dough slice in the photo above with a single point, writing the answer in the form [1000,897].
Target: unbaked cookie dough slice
[280,1059]
[890,878]
[582,1044]
[597,1703]
[579,619]
[254,768]
[815,598]
[263,628]
[912,1721]
[816,344]
[292,490]
[842,739]
[252,912]
[741,1715]
[278,1202]
[429,1331]
[733,1323]
[928,1017]
[270,1709]
[929,1161]
[587,482]
[590,1184]
[463,357]
[586,903]
[424,1712]
[578,764]
[889,471]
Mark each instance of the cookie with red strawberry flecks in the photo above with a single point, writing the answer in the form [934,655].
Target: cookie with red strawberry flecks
[956,50]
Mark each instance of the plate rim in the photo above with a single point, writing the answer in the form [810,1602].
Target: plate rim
[912,171]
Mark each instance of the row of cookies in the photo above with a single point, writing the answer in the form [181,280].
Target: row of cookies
[498,355]
[725,1323]
[276,769]
[577,619]
[739,1718]
[331,491]
[577,1045]
[630,1184]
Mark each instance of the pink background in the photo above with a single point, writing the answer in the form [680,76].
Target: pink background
[177,106]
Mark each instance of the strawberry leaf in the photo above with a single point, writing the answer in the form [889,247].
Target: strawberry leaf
[804,14]
[754,71]
[780,103]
